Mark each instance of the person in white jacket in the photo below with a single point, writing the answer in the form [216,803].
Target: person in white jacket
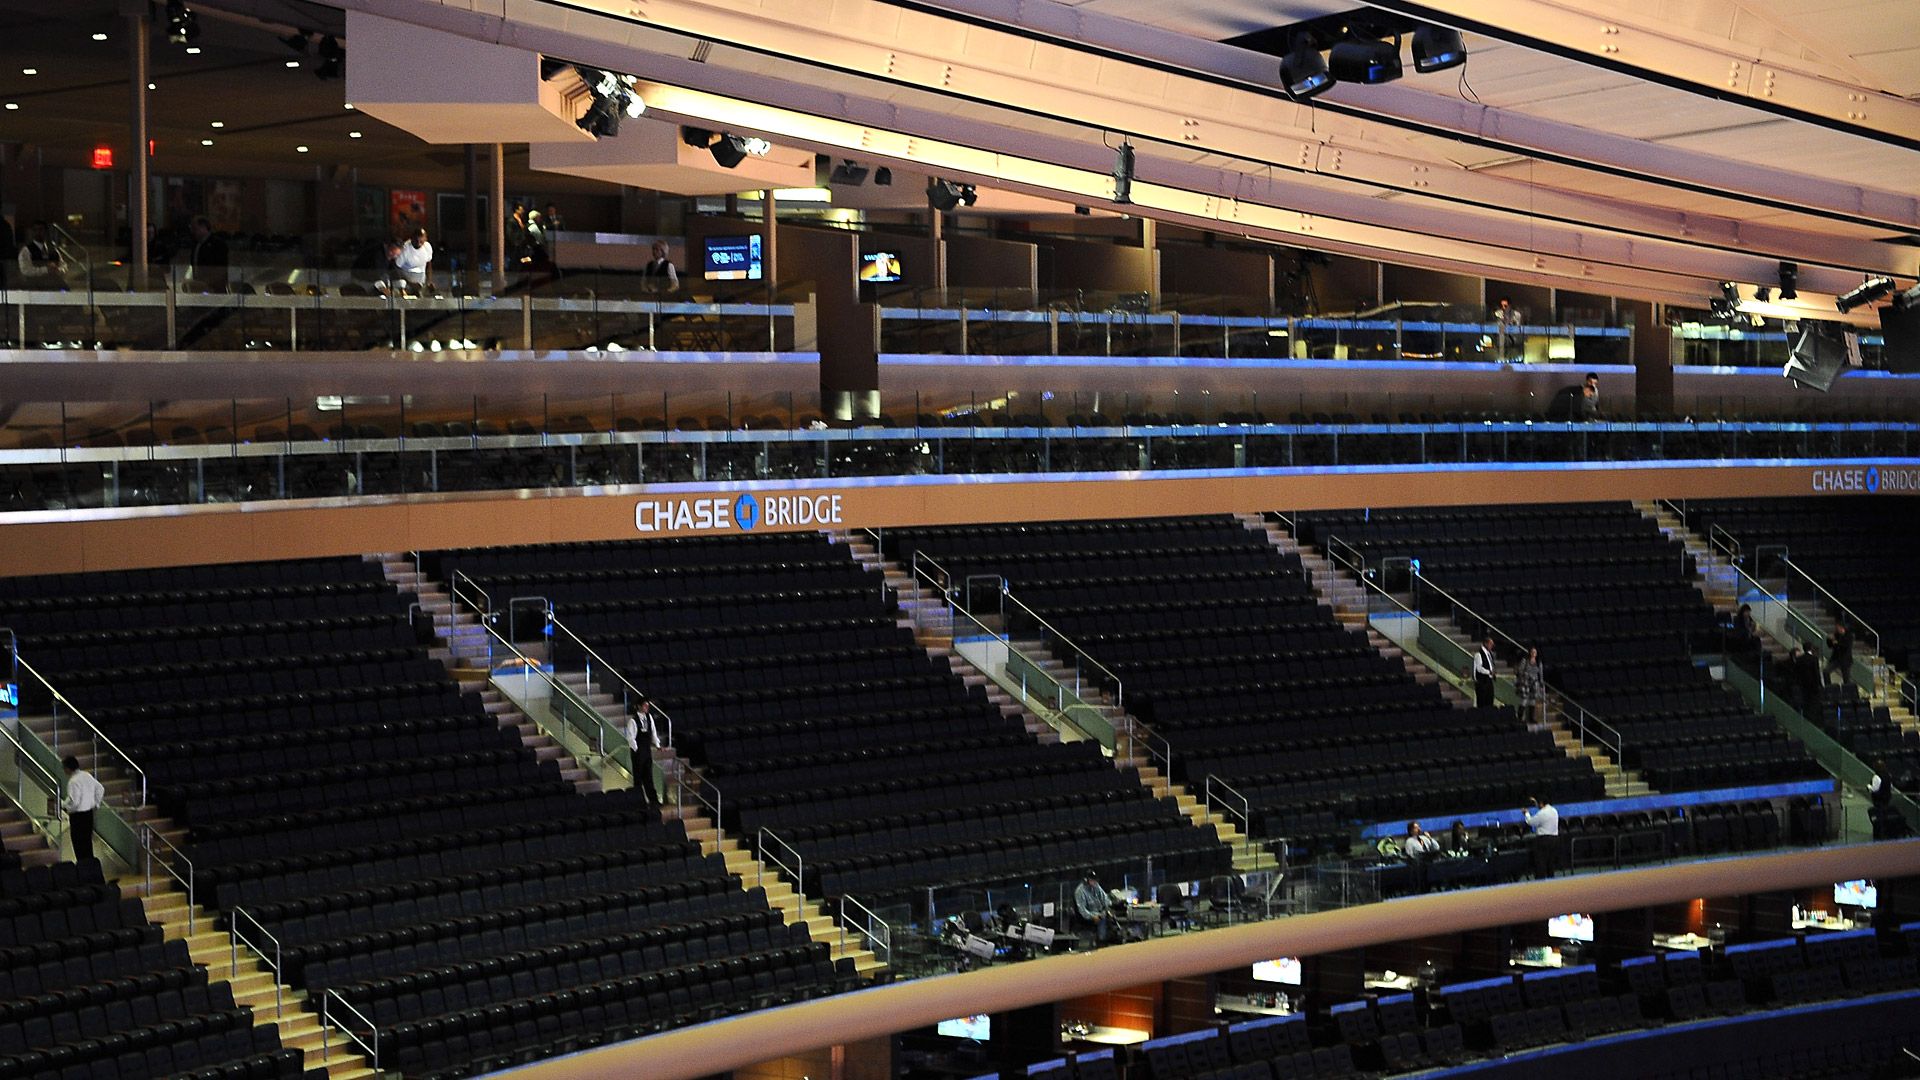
[415,258]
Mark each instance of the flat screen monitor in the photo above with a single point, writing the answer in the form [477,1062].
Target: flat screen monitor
[733,258]
[1862,893]
[879,267]
[1571,927]
[1285,971]
[978,1028]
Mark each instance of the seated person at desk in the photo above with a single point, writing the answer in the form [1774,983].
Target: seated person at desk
[1459,840]
[1091,909]
[1419,844]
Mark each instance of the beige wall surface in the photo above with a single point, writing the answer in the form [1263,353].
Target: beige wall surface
[42,542]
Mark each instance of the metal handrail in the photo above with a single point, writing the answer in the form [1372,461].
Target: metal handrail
[483,606]
[1582,716]
[1132,728]
[1785,602]
[873,927]
[632,692]
[798,871]
[1853,620]
[100,738]
[239,938]
[45,780]
[1216,788]
[370,1047]
[1724,542]
[1119,687]
[602,726]
[682,789]
[1586,717]
[149,837]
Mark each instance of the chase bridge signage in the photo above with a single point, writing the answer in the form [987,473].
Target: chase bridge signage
[1867,480]
[745,512]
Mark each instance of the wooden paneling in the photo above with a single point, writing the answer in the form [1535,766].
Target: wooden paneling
[41,542]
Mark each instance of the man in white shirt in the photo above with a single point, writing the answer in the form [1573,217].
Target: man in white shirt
[84,796]
[1544,820]
[415,258]
[1483,672]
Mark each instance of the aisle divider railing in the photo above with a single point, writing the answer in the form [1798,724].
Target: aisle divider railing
[876,931]
[337,1012]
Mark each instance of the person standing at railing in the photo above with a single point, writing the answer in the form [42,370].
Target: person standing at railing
[1531,683]
[1093,909]
[414,260]
[1509,343]
[207,262]
[1840,652]
[39,261]
[660,275]
[1483,673]
[84,796]
[641,732]
[1544,820]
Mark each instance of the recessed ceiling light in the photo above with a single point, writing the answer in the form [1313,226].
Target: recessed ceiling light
[218,124]
[151,86]
[206,142]
[301,149]
[193,50]
[13,106]
[29,71]
[349,104]
[293,63]
[99,37]
[353,134]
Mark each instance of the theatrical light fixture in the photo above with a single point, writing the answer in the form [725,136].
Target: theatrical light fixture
[849,173]
[1731,291]
[1763,294]
[945,195]
[1437,48]
[730,150]
[1123,174]
[1864,293]
[883,177]
[1303,71]
[182,24]
[1365,60]
[333,59]
[1789,277]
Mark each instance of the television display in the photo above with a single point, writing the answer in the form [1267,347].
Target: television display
[1571,927]
[1862,893]
[879,267]
[978,1028]
[733,258]
[1285,970]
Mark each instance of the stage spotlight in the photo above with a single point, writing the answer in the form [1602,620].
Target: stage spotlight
[1303,71]
[1864,293]
[943,195]
[883,177]
[1363,60]
[1437,48]
[614,96]
[849,173]
[1763,295]
[968,195]
[333,59]
[730,150]
[1731,291]
[182,24]
[1123,174]
[1789,278]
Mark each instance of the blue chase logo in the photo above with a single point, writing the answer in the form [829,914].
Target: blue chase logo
[746,512]
[1873,480]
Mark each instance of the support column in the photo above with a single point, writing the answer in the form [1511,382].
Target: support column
[470,281]
[140,166]
[937,232]
[1150,242]
[769,254]
[497,196]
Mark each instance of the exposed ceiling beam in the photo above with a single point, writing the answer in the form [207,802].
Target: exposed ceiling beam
[1720,69]
[1506,130]
[1007,71]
